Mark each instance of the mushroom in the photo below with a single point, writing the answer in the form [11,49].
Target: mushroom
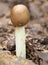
[20,17]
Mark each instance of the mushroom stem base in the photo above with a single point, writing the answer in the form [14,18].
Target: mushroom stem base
[20,42]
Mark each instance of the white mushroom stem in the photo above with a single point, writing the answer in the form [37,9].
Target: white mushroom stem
[20,42]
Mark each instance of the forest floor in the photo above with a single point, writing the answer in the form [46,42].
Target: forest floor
[36,36]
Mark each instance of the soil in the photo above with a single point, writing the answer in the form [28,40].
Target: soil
[36,33]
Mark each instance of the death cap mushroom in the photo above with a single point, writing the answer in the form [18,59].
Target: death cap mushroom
[20,15]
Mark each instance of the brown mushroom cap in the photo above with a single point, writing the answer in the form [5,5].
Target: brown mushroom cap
[19,15]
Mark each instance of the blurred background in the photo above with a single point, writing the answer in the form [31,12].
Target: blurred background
[36,29]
